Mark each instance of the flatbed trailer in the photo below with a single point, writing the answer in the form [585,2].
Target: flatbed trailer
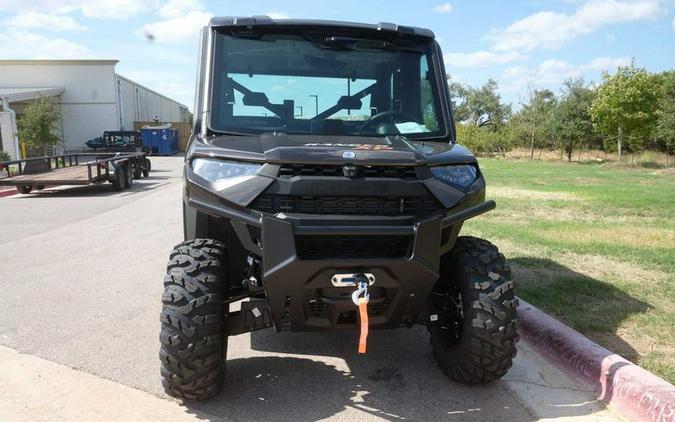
[119,169]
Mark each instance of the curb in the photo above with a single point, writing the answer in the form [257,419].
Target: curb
[7,192]
[635,393]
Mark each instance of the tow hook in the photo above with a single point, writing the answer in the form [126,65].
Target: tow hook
[360,297]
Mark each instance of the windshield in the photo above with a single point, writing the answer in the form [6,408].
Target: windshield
[325,85]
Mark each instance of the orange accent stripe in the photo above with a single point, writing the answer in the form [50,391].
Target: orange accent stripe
[363,317]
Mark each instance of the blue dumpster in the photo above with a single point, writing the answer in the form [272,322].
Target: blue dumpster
[160,141]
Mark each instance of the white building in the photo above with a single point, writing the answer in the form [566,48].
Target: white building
[91,96]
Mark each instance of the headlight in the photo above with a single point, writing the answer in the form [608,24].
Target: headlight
[223,173]
[462,176]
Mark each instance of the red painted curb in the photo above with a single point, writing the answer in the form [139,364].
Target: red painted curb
[8,192]
[634,392]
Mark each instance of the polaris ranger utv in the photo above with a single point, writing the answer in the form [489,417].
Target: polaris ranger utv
[324,190]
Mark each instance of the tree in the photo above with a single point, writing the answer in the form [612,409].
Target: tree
[471,136]
[571,119]
[626,105]
[458,96]
[535,114]
[665,124]
[38,123]
[481,107]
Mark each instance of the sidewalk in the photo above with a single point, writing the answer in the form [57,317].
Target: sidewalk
[35,389]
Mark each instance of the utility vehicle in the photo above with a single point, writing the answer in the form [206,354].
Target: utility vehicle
[325,190]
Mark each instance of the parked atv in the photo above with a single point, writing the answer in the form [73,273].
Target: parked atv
[324,187]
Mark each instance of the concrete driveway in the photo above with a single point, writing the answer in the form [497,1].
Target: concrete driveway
[81,273]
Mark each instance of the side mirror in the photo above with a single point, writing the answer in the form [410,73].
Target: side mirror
[258,99]
[349,103]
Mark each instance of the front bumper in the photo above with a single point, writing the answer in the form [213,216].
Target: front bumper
[302,297]
[297,275]
[299,290]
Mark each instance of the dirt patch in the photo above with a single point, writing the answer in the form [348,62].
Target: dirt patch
[519,193]
[595,266]
[665,172]
[620,235]
[527,215]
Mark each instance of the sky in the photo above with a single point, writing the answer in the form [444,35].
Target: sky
[522,44]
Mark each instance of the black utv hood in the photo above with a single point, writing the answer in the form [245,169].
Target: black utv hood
[283,148]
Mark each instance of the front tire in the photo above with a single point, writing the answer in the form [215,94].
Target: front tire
[193,346]
[475,334]
[24,189]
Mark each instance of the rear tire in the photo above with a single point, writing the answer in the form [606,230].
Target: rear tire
[146,169]
[474,339]
[118,182]
[24,189]
[129,176]
[193,346]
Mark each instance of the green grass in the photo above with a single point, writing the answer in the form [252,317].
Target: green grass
[593,245]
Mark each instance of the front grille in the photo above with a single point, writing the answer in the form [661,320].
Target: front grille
[346,247]
[346,205]
[317,308]
[397,172]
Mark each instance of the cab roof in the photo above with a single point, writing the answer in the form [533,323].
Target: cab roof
[266,21]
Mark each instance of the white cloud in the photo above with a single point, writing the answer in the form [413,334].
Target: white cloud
[44,21]
[673,24]
[552,73]
[106,9]
[116,9]
[608,63]
[176,30]
[481,58]
[25,45]
[443,8]
[176,8]
[278,15]
[550,30]
[549,73]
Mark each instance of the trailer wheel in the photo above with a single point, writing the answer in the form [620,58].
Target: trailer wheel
[137,172]
[129,176]
[473,308]
[119,182]
[193,346]
[24,189]
[146,168]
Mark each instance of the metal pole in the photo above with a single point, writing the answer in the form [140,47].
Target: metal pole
[316,103]
[349,94]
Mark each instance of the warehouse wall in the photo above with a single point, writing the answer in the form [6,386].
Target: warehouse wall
[138,103]
[94,98]
[88,102]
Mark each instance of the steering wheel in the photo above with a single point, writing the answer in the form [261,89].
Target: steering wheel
[392,115]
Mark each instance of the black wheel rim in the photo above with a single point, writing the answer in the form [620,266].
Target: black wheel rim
[449,308]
